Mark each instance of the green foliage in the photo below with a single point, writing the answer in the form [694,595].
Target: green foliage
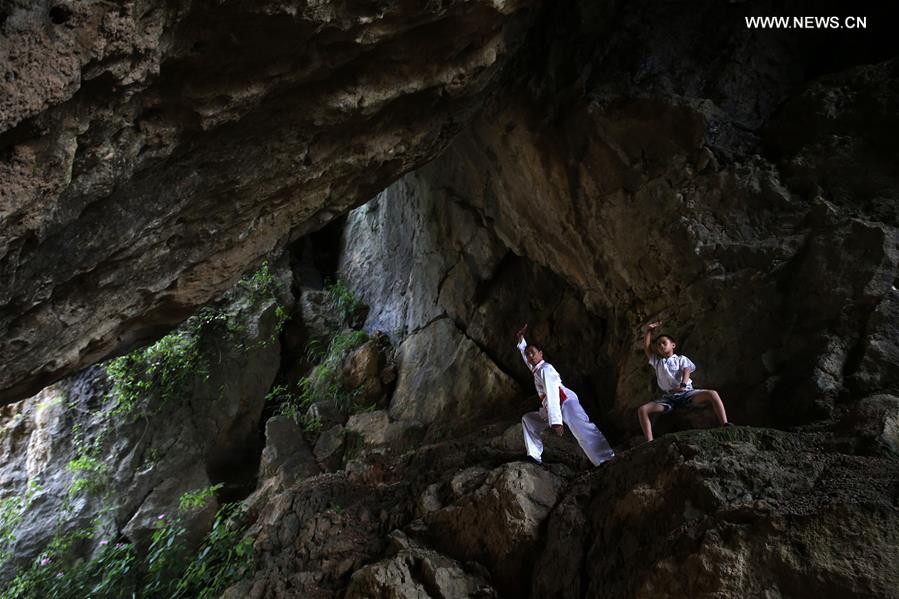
[195,500]
[261,283]
[263,286]
[315,351]
[282,316]
[210,318]
[343,299]
[311,425]
[51,575]
[90,474]
[324,383]
[12,510]
[88,471]
[166,366]
[224,557]
[165,558]
[166,572]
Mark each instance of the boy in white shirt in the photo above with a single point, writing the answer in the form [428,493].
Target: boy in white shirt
[558,404]
[673,376]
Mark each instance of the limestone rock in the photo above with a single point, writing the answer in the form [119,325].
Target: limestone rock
[363,370]
[499,523]
[329,446]
[311,537]
[726,513]
[446,382]
[326,413]
[286,452]
[416,572]
[374,431]
[318,315]
[874,422]
[115,464]
[171,147]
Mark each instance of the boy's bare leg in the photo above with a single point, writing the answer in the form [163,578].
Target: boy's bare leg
[643,413]
[713,398]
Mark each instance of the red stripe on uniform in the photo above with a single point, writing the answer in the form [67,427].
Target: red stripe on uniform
[562,396]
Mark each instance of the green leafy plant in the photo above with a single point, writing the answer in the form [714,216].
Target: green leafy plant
[263,286]
[166,366]
[224,557]
[90,474]
[165,558]
[195,500]
[12,510]
[315,351]
[324,383]
[311,425]
[167,571]
[343,299]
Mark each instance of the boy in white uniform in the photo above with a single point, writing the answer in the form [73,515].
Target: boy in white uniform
[558,404]
[673,376]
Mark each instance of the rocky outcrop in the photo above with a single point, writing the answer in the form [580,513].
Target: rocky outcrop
[451,295]
[416,572]
[446,383]
[286,457]
[739,512]
[715,205]
[640,162]
[445,519]
[114,448]
[496,519]
[170,147]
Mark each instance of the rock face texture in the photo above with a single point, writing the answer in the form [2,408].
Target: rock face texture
[416,572]
[741,513]
[170,147]
[727,201]
[444,287]
[114,464]
[640,161]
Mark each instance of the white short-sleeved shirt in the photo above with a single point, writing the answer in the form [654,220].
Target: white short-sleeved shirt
[668,371]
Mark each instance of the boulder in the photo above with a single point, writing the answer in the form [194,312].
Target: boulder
[286,453]
[447,383]
[731,512]
[329,446]
[498,523]
[416,572]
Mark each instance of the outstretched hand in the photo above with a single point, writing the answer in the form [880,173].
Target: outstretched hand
[653,325]
[521,332]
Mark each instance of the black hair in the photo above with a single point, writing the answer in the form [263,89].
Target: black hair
[535,345]
[667,336]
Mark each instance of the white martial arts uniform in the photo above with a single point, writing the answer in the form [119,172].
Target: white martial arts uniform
[560,404]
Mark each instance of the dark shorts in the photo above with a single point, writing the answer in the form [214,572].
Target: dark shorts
[674,401]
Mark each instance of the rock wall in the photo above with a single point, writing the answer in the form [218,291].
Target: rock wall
[640,161]
[452,295]
[727,201]
[745,513]
[170,146]
[113,464]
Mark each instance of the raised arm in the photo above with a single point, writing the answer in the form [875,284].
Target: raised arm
[647,339]
[523,345]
